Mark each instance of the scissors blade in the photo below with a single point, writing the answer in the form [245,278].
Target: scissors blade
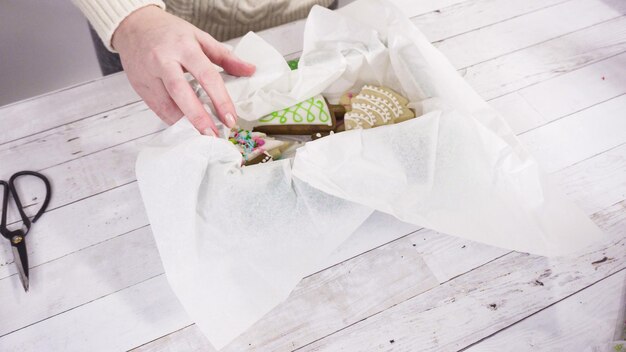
[21,261]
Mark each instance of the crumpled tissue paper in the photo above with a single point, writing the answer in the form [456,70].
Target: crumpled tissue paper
[235,240]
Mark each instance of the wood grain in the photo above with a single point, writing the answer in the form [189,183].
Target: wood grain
[546,60]
[70,104]
[479,303]
[82,137]
[79,225]
[112,323]
[579,89]
[468,16]
[586,319]
[93,272]
[527,30]
[590,132]
[546,101]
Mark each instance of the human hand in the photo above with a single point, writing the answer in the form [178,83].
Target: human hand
[156,48]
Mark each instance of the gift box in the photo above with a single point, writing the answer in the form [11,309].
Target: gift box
[236,240]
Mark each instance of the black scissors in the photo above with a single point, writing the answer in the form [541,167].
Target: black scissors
[18,237]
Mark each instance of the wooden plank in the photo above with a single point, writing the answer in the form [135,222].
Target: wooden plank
[112,323]
[79,225]
[412,8]
[188,339]
[481,302]
[80,178]
[547,60]
[67,105]
[467,16]
[565,326]
[92,272]
[589,132]
[579,89]
[78,138]
[607,171]
[524,31]
[572,92]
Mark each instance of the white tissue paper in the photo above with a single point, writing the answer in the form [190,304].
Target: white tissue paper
[235,240]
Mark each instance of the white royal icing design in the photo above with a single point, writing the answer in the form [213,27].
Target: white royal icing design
[358,118]
[380,106]
[392,105]
[376,106]
[371,111]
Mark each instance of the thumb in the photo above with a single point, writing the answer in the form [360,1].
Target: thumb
[221,56]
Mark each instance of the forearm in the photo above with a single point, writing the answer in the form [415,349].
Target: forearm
[106,15]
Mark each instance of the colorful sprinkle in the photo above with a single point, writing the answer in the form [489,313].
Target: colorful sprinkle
[245,140]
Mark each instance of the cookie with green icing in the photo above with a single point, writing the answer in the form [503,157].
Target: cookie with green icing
[377,106]
[306,118]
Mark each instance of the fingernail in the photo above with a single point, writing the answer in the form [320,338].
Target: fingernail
[230,120]
[209,132]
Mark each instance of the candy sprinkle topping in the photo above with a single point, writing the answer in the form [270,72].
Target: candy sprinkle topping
[246,141]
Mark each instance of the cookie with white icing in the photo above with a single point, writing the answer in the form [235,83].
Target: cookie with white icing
[307,117]
[376,106]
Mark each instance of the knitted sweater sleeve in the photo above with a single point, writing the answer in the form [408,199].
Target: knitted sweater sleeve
[106,15]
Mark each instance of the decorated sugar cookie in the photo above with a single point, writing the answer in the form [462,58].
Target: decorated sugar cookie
[255,147]
[307,117]
[376,106]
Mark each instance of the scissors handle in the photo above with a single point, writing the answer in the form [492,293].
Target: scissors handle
[9,189]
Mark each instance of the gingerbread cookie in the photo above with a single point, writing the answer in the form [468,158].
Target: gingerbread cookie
[307,117]
[376,106]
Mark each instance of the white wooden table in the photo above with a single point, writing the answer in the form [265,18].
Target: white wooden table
[556,69]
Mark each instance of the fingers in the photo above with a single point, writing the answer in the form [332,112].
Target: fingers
[158,100]
[201,68]
[222,57]
[182,94]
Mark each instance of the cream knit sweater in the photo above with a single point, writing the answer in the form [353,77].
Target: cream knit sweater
[223,19]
